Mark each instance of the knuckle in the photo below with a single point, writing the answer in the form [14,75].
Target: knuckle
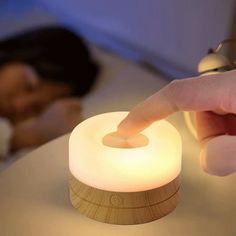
[172,94]
[173,87]
[173,84]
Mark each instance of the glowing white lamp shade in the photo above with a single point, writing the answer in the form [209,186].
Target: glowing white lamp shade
[130,184]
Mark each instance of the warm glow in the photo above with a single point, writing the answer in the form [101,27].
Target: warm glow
[124,169]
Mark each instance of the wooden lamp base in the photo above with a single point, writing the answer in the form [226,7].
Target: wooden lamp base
[124,208]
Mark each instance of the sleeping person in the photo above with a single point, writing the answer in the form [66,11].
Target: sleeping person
[43,73]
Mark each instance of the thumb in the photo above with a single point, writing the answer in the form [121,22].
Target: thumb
[218,155]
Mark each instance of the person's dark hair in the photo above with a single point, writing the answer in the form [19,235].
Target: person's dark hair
[56,54]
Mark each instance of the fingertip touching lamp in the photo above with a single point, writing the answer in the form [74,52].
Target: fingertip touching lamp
[124,180]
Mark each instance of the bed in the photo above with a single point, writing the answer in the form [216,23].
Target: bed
[36,203]
[29,205]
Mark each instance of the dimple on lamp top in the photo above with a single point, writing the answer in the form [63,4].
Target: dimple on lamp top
[141,168]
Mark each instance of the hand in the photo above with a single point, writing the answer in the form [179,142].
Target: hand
[59,118]
[213,98]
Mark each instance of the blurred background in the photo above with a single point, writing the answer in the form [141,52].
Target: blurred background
[170,35]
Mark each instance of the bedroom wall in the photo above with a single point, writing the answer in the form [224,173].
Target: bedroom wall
[171,32]
[16,15]
[171,35]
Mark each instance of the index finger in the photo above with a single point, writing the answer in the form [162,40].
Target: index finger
[192,94]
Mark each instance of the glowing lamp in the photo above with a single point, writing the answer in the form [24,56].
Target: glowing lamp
[124,180]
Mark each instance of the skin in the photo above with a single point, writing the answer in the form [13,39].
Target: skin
[212,97]
[23,94]
[57,119]
[31,104]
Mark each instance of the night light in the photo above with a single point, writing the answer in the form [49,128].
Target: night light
[124,180]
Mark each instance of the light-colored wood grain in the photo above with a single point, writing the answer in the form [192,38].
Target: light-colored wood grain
[124,208]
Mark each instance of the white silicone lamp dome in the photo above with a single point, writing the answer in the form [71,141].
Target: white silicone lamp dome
[128,185]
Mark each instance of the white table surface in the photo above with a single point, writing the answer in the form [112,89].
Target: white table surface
[34,197]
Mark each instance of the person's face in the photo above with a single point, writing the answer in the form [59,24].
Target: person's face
[23,95]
